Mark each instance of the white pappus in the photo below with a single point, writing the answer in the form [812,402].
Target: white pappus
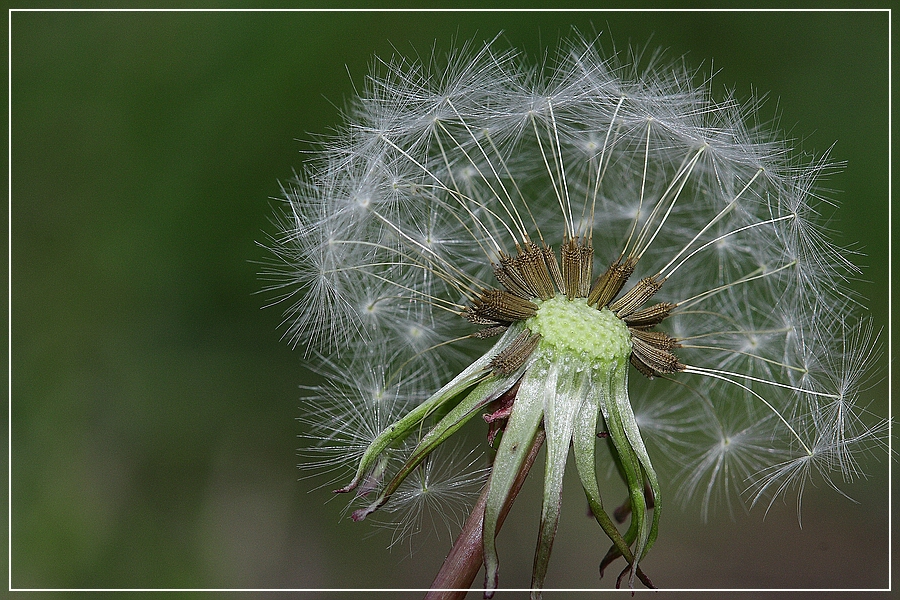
[539,245]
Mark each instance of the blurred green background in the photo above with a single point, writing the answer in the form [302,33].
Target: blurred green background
[153,403]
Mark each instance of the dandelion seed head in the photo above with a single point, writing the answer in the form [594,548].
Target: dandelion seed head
[488,236]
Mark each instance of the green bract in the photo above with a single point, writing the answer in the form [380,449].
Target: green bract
[574,380]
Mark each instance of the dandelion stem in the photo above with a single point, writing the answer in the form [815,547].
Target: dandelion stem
[462,564]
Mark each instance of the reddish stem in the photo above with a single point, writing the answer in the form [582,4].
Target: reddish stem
[467,555]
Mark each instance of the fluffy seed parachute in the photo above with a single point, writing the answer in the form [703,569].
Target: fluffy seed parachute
[540,245]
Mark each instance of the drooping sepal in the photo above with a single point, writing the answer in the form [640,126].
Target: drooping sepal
[515,444]
[399,430]
[561,407]
[485,392]
[584,439]
[634,463]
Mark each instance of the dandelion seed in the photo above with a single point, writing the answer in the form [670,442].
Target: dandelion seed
[534,245]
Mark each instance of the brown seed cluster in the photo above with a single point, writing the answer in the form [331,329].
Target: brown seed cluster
[535,274]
